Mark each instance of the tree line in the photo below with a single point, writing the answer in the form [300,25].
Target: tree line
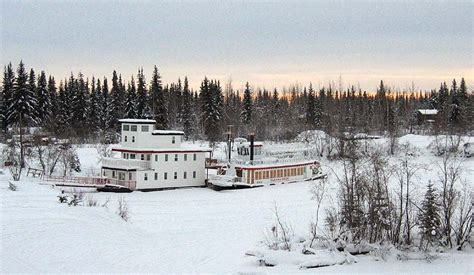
[88,109]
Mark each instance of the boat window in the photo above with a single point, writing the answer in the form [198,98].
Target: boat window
[142,157]
[132,156]
[129,176]
[133,128]
[156,157]
[148,157]
[194,174]
[175,157]
[125,139]
[184,175]
[173,140]
[175,175]
[156,176]
[166,157]
[194,157]
[133,138]
[165,176]
[145,128]
[185,157]
[145,177]
[126,127]
[113,174]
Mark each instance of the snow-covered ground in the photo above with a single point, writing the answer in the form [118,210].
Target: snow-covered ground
[176,231]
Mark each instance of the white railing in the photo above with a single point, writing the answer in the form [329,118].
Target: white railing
[126,163]
[90,181]
[272,161]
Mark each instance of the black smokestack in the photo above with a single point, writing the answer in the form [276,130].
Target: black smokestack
[251,146]
[229,146]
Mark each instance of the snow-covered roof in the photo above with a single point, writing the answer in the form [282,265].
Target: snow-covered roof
[137,120]
[428,111]
[167,132]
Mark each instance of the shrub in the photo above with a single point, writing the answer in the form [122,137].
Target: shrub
[123,209]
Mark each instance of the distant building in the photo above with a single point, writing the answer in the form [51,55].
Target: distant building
[154,159]
[426,116]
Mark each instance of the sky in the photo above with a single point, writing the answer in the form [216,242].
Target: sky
[268,44]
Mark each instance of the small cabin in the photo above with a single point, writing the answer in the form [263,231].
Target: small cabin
[426,116]
[149,159]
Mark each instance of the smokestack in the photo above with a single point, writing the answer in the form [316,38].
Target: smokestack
[252,135]
[229,141]
[229,146]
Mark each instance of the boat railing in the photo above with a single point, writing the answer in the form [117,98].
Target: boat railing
[126,163]
[273,161]
[90,181]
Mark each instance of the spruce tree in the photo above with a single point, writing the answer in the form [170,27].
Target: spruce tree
[70,106]
[7,93]
[381,107]
[143,107]
[42,97]
[246,114]
[211,97]
[459,105]
[186,116]
[159,108]
[311,108]
[23,105]
[454,117]
[100,105]
[63,112]
[93,109]
[464,103]
[429,219]
[117,102]
[131,103]
[51,122]
[105,117]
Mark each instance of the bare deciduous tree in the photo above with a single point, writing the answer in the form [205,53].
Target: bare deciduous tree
[406,169]
[463,215]
[449,176]
[280,234]
[122,210]
[318,192]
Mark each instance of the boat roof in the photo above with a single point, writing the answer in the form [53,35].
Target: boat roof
[185,148]
[275,165]
[137,120]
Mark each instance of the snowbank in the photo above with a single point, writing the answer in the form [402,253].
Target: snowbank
[319,258]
